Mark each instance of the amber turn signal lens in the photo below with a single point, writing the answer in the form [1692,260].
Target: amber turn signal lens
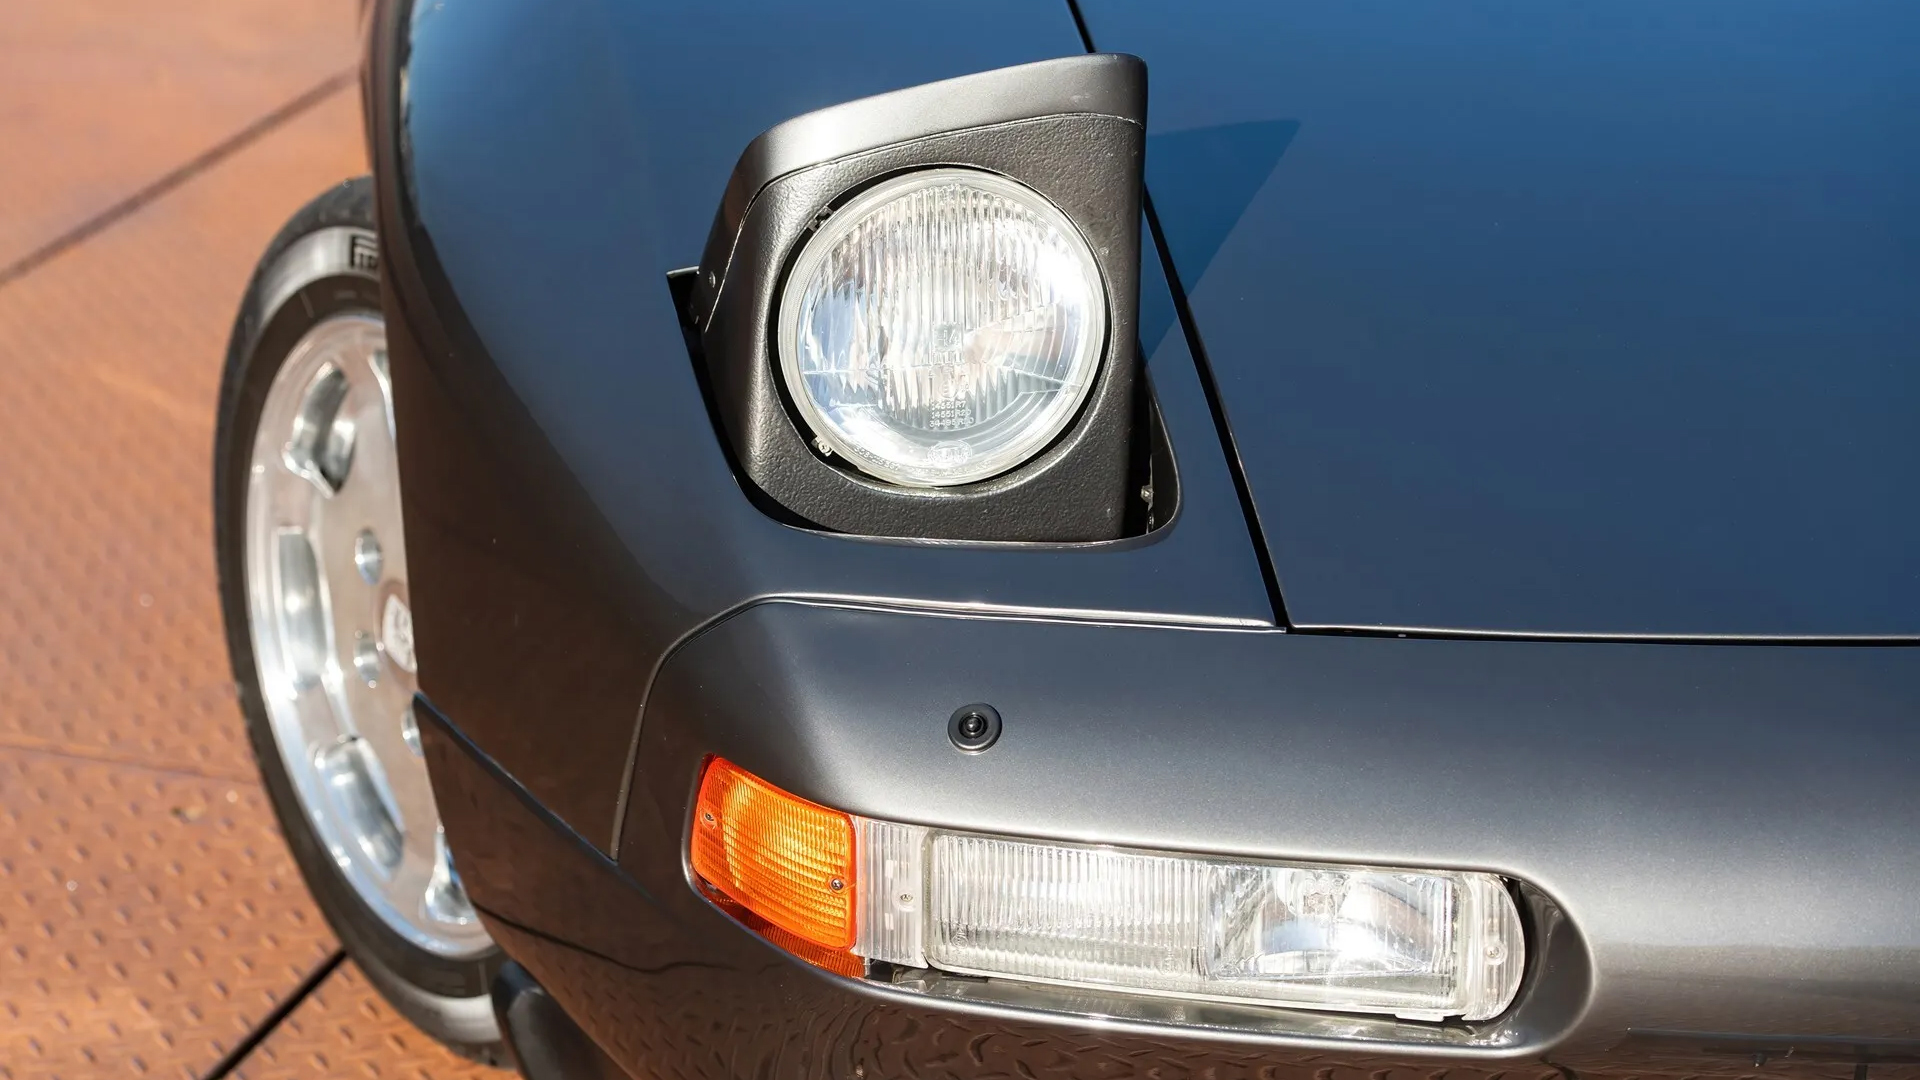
[786,860]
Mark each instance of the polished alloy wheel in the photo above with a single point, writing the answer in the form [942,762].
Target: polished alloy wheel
[326,576]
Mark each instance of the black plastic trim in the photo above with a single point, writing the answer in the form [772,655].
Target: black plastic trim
[1110,84]
[546,1043]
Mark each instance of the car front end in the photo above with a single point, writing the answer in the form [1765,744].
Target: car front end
[1208,711]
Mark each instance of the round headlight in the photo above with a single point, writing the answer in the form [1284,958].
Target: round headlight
[942,327]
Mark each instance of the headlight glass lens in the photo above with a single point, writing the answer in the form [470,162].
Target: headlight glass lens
[942,327]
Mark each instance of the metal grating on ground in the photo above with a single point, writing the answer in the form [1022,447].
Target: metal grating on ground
[151,921]
[150,918]
[346,1029]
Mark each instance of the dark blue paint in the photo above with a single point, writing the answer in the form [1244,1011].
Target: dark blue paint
[1569,318]
[1212,176]
[675,92]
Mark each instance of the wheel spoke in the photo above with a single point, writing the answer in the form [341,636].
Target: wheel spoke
[301,606]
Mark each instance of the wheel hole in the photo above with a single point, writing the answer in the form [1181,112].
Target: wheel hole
[321,444]
[350,774]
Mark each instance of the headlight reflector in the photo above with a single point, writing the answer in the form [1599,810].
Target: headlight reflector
[942,327]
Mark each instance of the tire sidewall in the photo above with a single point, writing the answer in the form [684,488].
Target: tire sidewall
[447,998]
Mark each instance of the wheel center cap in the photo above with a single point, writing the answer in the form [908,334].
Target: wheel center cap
[396,632]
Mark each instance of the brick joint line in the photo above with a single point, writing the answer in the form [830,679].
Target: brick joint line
[232,1059]
[10,743]
[219,152]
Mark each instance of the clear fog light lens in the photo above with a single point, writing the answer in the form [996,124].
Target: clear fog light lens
[1417,944]
[942,327]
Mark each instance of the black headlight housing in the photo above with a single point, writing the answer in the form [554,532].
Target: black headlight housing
[1072,130]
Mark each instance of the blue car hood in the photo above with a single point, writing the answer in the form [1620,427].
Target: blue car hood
[1556,318]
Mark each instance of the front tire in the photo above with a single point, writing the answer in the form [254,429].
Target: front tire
[312,567]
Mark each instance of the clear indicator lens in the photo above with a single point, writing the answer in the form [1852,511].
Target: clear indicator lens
[892,880]
[942,327]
